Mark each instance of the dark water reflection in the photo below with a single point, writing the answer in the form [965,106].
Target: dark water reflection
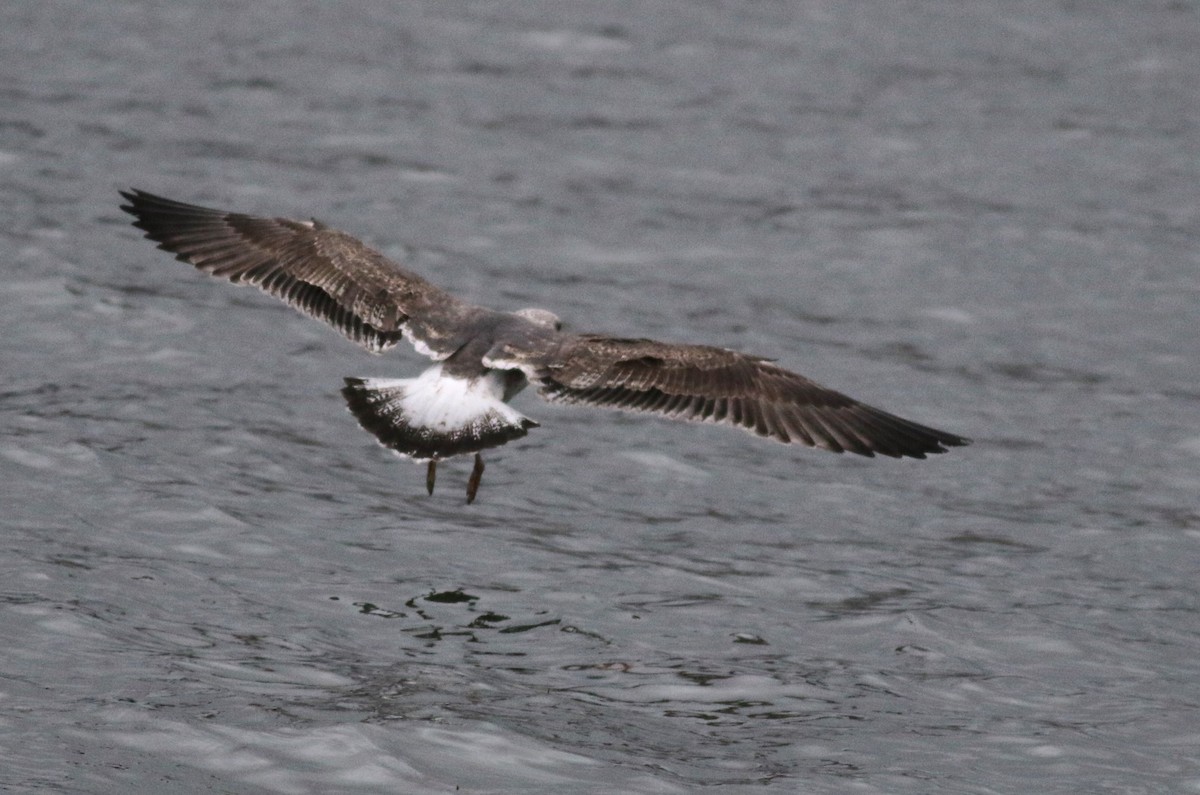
[212,581]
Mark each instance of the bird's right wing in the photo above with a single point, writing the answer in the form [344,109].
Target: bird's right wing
[325,273]
[707,384]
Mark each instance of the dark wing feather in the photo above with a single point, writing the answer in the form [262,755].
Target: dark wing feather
[324,273]
[705,384]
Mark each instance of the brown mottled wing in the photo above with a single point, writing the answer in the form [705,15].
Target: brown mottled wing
[320,271]
[705,384]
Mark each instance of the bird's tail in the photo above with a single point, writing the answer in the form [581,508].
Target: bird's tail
[435,416]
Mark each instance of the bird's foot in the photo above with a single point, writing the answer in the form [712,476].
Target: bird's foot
[431,474]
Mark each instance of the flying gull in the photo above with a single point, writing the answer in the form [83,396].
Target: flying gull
[483,358]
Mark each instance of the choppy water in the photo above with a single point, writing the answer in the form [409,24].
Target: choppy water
[213,581]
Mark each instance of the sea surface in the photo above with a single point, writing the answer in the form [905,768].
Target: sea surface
[983,215]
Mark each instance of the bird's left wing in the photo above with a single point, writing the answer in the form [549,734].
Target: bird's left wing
[707,384]
[325,273]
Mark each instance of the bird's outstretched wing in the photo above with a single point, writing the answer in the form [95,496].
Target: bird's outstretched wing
[706,384]
[320,271]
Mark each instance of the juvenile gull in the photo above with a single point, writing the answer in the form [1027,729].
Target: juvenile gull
[483,357]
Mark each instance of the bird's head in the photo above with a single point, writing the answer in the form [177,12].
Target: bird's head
[541,317]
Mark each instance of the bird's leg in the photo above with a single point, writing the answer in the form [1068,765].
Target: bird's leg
[473,481]
[431,474]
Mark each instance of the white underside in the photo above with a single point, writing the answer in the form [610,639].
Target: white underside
[420,347]
[500,363]
[444,404]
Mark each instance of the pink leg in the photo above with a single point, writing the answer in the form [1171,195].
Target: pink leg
[476,476]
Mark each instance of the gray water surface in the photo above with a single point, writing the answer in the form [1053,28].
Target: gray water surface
[981,215]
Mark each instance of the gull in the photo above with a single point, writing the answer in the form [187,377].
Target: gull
[483,357]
